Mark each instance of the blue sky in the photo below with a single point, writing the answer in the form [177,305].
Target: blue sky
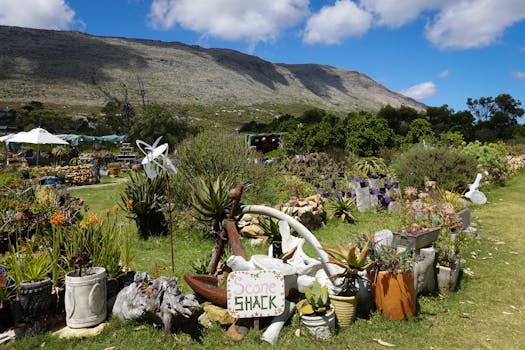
[436,51]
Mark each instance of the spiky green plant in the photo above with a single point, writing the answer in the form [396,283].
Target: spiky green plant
[369,165]
[144,201]
[342,208]
[210,199]
[352,261]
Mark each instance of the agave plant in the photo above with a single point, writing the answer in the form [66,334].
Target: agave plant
[342,208]
[352,261]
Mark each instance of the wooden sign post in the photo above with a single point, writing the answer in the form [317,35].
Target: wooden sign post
[255,294]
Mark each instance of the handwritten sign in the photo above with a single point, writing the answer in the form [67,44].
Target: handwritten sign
[255,293]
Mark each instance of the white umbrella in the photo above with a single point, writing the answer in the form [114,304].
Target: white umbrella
[5,138]
[37,136]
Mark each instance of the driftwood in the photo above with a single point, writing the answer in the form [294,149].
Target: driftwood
[157,299]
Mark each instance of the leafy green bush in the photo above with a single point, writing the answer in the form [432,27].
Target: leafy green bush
[215,153]
[489,159]
[451,169]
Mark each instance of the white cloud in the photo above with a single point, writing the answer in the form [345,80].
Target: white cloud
[394,14]
[518,75]
[421,91]
[444,73]
[333,24]
[253,21]
[470,24]
[41,14]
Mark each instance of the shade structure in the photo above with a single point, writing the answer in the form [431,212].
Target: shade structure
[37,136]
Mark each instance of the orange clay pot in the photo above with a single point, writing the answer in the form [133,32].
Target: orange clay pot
[394,295]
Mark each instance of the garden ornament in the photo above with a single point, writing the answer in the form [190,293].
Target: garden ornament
[157,299]
[476,196]
[152,153]
[152,167]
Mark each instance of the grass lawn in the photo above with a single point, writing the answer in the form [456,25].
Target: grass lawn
[488,311]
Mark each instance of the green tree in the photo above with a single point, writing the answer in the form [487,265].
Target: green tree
[156,120]
[366,133]
[420,129]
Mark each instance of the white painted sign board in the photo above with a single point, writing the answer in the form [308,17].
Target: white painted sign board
[257,293]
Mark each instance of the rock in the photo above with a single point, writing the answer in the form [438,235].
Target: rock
[67,332]
[218,314]
[252,231]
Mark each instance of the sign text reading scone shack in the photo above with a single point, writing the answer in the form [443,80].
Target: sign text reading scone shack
[255,293]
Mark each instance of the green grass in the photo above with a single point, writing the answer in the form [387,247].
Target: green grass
[486,313]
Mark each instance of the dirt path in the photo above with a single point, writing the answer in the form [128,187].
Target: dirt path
[116,182]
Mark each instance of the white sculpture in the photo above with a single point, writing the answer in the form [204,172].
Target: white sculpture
[476,196]
[152,153]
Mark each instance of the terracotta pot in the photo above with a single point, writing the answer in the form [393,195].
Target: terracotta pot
[394,295]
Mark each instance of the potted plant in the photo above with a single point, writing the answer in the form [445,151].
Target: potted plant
[85,299]
[393,282]
[7,295]
[352,262]
[448,259]
[317,314]
[28,266]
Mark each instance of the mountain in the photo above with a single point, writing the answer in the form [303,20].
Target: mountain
[73,68]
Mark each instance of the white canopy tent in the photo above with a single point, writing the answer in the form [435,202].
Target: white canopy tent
[37,136]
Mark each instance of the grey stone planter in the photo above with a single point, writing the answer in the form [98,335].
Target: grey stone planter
[447,278]
[85,299]
[464,215]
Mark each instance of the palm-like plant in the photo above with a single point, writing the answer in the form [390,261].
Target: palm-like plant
[210,199]
[342,208]
[369,165]
[352,261]
[144,201]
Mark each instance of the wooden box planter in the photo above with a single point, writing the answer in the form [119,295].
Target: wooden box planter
[447,277]
[418,239]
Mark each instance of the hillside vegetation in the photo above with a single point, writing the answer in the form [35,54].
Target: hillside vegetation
[75,69]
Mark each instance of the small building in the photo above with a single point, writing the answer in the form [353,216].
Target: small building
[265,142]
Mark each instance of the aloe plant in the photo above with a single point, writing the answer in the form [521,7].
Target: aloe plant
[210,200]
[352,261]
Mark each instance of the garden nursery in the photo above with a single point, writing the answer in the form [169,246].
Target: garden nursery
[215,243]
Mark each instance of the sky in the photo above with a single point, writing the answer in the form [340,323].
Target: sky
[439,52]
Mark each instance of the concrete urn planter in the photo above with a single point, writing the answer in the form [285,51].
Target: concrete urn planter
[320,326]
[85,298]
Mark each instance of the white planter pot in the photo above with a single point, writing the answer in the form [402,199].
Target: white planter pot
[322,326]
[85,298]
[447,278]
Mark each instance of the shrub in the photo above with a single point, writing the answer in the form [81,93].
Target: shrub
[215,153]
[489,159]
[451,169]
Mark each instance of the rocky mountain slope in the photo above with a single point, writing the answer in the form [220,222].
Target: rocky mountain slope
[73,68]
